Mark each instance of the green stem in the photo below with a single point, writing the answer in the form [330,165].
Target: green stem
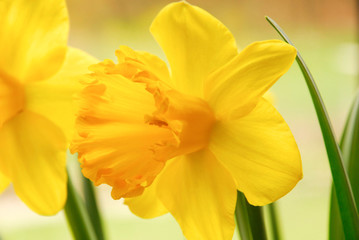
[242,218]
[249,220]
[255,215]
[92,209]
[76,215]
[274,222]
[347,206]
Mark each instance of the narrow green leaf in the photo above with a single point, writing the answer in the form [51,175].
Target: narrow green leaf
[350,148]
[335,223]
[347,206]
[92,208]
[76,215]
[249,220]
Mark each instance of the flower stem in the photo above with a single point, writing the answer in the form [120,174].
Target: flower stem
[343,190]
[256,220]
[76,215]
[274,222]
[242,218]
[92,209]
[249,220]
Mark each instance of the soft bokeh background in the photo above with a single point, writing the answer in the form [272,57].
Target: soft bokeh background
[325,34]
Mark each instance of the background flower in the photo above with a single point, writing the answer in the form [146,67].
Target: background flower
[36,90]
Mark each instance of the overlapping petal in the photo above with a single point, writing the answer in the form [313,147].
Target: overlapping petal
[201,195]
[11,97]
[33,156]
[260,152]
[195,44]
[234,89]
[53,98]
[32,33]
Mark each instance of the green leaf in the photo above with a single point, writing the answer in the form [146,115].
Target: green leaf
[350,149]
[347,206]
[335,223]
[76,215]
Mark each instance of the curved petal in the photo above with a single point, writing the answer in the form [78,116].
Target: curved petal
[260,152]
[194,42]
[234,90]
[147,205]
[53,98]
[4,182]
[33,156]
[201,194]
[33,38]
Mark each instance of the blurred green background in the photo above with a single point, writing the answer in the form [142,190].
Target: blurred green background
[325,32]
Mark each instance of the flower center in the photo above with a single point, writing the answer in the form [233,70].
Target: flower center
[11,97]
[189,118]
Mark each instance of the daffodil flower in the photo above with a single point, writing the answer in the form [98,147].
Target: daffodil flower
[184,141]
[36,88]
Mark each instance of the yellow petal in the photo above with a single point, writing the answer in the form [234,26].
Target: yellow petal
[33,156]
[33,36]
[53,98]
[194,42]
[233,90]
[201,194]
[4,182]
[147,205]
[260,152]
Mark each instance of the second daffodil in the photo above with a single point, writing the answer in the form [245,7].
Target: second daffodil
[36,90]
[184,141]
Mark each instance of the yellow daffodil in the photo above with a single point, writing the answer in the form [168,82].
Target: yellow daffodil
[36,88]
[184,141]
